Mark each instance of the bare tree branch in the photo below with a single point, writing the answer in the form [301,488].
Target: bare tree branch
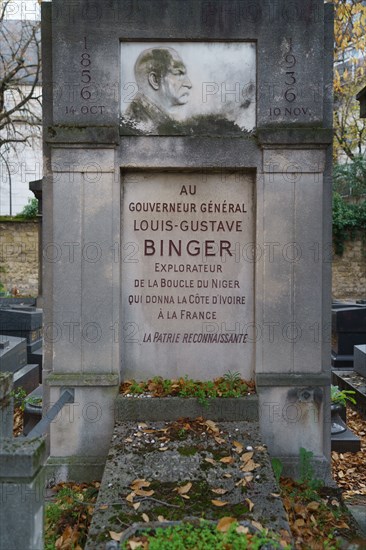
[20,66]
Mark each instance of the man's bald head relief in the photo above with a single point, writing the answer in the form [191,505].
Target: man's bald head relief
[153,60]
[162,76]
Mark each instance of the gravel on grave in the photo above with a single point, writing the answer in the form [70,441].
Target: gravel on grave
[186,468]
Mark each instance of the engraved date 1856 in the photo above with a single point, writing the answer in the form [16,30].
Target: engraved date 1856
[86,83]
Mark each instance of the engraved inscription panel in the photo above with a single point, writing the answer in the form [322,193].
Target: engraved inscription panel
[173,88]
[187,274]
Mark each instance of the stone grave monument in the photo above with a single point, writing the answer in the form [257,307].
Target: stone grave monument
[187,210]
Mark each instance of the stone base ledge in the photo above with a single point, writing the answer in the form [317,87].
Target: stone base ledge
[293,379]
[80,469]
[21,459]
[82,379]
[165,409]
[320,464]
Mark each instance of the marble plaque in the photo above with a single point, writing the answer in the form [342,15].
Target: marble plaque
[187,274]
[173,88]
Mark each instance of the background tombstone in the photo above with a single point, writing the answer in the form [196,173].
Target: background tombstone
[360,360]
[280,147]
[348,331]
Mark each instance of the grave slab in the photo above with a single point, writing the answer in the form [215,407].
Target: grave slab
[137,453]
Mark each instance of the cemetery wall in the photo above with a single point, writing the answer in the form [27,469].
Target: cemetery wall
[349,270]
[19,255]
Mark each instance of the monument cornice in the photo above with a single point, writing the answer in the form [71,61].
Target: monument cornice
[291,137]
[83,135]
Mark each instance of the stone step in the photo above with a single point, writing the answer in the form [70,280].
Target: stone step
[207,454]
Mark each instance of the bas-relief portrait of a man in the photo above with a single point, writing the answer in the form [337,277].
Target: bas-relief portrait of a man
[167,101]
[162,81]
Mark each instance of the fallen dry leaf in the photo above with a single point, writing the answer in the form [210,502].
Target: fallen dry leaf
[299,523]
[238,447]
[219,440]
[146,518]
[250,504]
[130,497]
[246,457]
[224,524]
[227,460]
[219,502]
[115,536]
[142,493]
[219,491]
[313,506]
[139,483]
[162,519]
[210,460]
[242,482]
[184,488]
[136,506]
[212,426]
[135,544]
[249,466]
